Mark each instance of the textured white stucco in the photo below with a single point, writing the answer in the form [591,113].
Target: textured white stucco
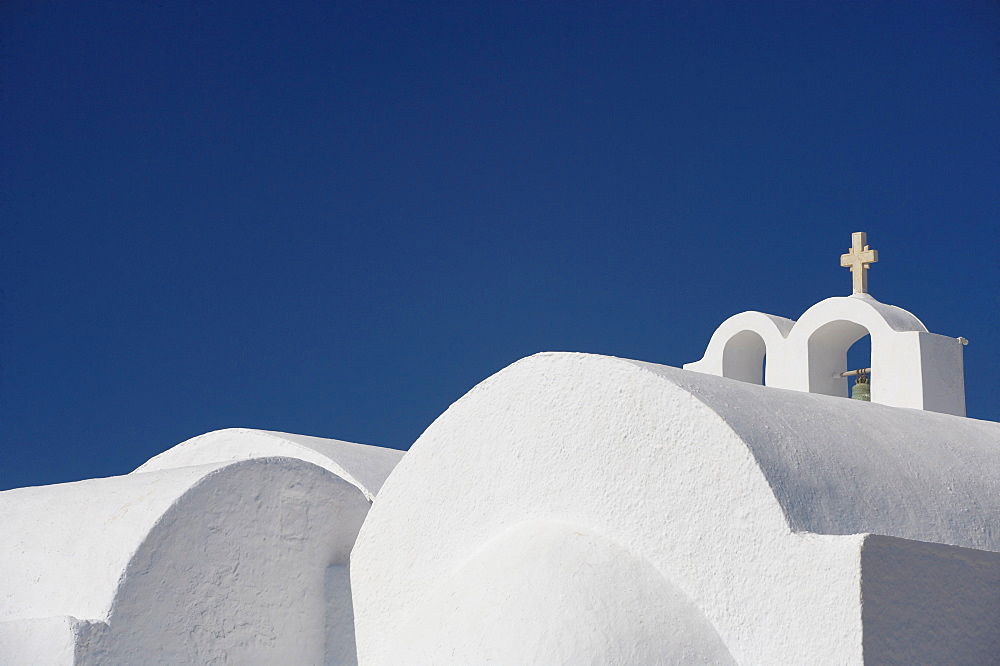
[753,503]
[364,466]
[927,603]
[610,447]
[847,467]
[67,545]
[241,562]
[50,640]
[546,593]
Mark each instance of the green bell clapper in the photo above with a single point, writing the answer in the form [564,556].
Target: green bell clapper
[862,389]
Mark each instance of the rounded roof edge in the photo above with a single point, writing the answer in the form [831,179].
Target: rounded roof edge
[835,466]
[896,318]
[840,466]
[571,437]
[364,466]
[68,546]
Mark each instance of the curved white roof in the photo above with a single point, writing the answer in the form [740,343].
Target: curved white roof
[735,493]
[240,562]
[839,466]
[364,466]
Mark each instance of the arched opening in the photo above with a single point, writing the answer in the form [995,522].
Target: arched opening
[828,351]
[743,357]
[859,356]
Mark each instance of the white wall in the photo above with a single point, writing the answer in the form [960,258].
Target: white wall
[225,563]
[927,603]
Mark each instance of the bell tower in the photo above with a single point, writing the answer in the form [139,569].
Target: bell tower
[910,366]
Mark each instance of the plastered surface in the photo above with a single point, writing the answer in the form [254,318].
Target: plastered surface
[67,545]
[364,466]
[752,502]
[39,641]
[620,451]
[848,467]
[224,563]
[569,596]
[926,603]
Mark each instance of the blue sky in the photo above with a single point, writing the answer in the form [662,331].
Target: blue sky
[336,218]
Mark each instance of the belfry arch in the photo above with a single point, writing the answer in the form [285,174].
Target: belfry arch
[741,346]
[827,349]
[743,357]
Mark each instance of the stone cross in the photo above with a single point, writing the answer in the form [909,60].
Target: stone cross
[857,259]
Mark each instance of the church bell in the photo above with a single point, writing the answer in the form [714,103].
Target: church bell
[862,389]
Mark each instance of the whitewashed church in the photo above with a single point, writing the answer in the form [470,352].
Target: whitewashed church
[571,509]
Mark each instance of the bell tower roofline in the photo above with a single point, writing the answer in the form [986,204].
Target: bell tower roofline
[910,366]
